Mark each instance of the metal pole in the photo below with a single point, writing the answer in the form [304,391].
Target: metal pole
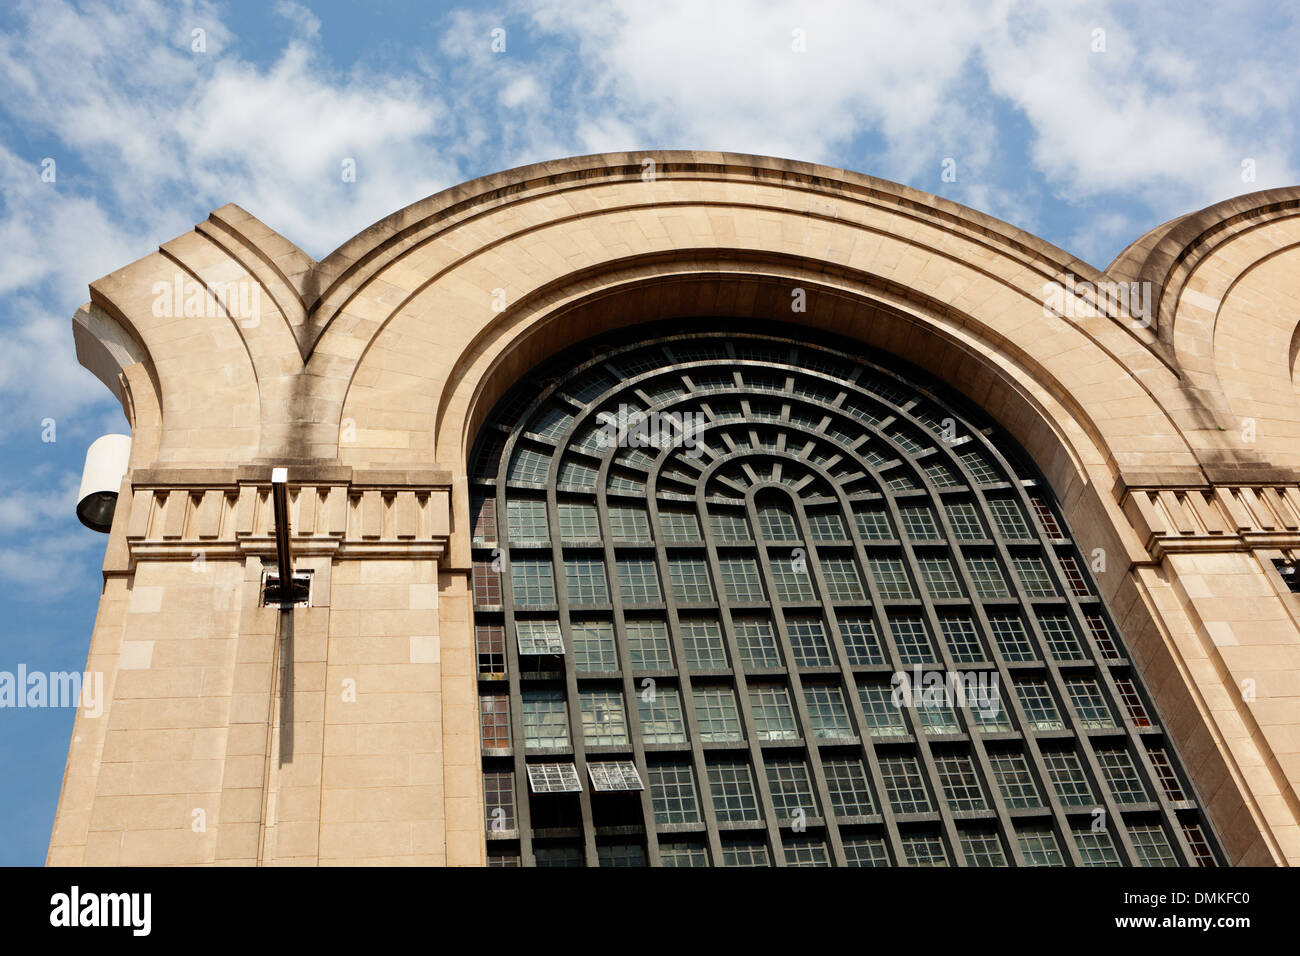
[280,502]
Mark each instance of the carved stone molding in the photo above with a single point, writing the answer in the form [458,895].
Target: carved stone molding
[177,515]
[1214,518]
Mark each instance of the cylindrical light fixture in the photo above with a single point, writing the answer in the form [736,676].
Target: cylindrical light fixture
[106,462]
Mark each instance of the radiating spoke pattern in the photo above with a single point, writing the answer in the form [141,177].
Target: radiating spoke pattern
[707,557]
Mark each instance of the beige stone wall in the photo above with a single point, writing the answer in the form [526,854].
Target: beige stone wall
[1171,445]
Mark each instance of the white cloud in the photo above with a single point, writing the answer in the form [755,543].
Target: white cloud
[1163,117]
[47,565]
[30,508]
[308,23]
[1138,117]
[148,141]
[45,553]
[731,75]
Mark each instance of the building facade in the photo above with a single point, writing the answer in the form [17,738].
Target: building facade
[625,488]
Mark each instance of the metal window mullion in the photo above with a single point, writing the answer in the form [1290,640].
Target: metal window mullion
[795,682]
[741,690]
[698,754]
[1142,761]
[701,762]
[1104,674]
[623,654]
[518,740]
[739,683]
[685,691]
[1048,663]
[1006,692]
[1114,813]
[912,568]
[1110,805]
[848,678]
[574,702]
[888,648]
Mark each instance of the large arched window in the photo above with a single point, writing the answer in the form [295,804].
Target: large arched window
[702,560]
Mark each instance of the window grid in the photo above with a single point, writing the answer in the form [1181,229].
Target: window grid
[846,782]
[918,522]
[1038,845]
[483,519]
[660,712]
[982,848]
[1038,704]
[716,714]
[912,639]
[490,643]
[648,646]
[1122,776]
[826,711]
[773,712]
[638,582]
[1008,518]
[604,722]
[702,641]
[1009,634]
[526,520]
[924,849]
[861,643]
[578,521]
[1068,779]
[532,581]
[672,791]
[1166,776]
[1151,845]
[690,581]
[740,579]
[961,785]
[593,646]
[808,641]
[904,784]
[499,801]
[1095,846]
[962,638]
[731,786]
[790,785]
[966,525]
[1059,634]
[494,721]
[939,577]
[1132,701]
[546,721]
[757,642]
[883,717]
[865,851]
[1015,780]
[584,581]
[1089,704]
[707,642]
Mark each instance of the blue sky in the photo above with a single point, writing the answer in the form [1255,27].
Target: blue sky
[1087,139]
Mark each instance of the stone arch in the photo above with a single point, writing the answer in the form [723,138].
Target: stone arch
[394,344]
